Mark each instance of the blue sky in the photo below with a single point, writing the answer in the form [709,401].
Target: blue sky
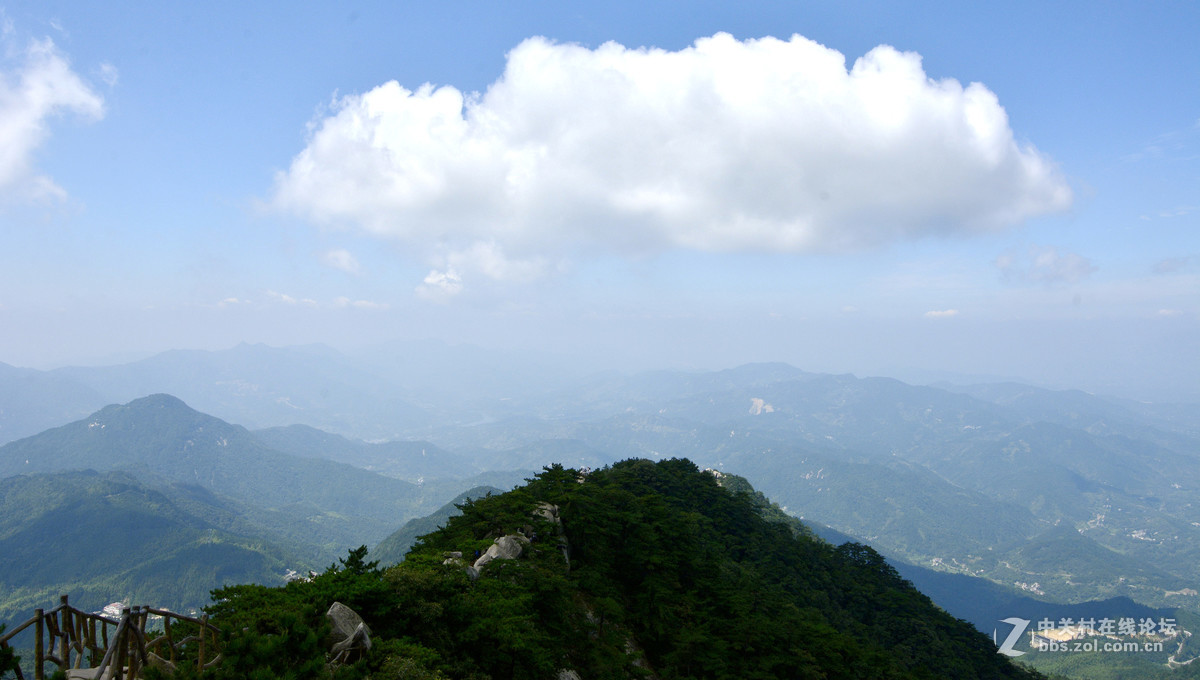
[922,190]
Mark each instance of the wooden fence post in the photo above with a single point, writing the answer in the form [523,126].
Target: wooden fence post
[122,641]
[65,626]
[170,640]
[91,632]
[203,631]
[39,671]
[131,635]
[81,639]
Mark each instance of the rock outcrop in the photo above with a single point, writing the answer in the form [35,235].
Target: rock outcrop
[505,548]
[549,512]
[350,637]
[512,546]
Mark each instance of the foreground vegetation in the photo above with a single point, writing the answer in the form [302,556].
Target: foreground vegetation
[669,575]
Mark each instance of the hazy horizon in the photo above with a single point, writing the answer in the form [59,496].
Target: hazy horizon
[592,364]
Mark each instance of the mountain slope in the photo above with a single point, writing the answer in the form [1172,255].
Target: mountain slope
[985,603]
[160,437]
[107,537]
[413,461]
[669,575]
[393,548]
[934,476]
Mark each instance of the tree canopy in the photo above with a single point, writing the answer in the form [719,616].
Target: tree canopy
[634,570]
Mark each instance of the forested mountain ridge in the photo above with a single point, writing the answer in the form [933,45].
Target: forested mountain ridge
[314,508]
[108,537]
[665,574]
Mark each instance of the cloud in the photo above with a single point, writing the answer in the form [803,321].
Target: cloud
[941,314]
[1170,312]
[440,286]
[760,145]
[282,297]
[1170,265]
[109,74]
[289,300]
[1180,211]
[1172,145]
[343,260]
[36,84]
[345,302]
[1041,264]
[341,302]
[489,260]
[480,261]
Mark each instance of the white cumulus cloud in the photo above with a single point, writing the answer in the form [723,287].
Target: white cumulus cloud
[941,313]
[489,259]
[36,84]
[758,145]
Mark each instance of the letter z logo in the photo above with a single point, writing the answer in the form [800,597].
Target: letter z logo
[1019,626]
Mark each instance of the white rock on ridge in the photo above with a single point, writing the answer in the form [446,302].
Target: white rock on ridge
[505,548]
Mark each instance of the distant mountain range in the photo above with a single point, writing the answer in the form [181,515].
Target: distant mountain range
[153,499]
[938,477]
[32,401]
[1061,494]
[161,437]
[384,392]
[413,461]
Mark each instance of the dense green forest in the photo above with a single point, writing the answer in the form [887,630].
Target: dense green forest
[102,537]
[641,569]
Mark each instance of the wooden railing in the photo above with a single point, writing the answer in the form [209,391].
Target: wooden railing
[78,640]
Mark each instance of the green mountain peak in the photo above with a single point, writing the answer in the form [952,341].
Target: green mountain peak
[670,575]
